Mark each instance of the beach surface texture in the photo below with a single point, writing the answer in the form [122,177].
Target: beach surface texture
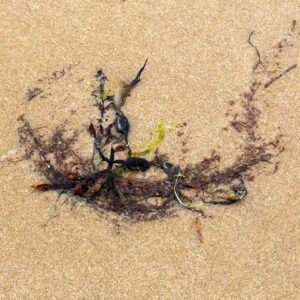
[204,59]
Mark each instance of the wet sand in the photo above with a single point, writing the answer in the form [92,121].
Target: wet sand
[199,60]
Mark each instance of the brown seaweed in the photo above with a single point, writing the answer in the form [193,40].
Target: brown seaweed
[111,185]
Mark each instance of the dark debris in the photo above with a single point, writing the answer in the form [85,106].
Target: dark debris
[114,187]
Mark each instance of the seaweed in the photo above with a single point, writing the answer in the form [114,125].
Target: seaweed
[33,93]
[116,184]
[155,138]
[279,75]
[259,62]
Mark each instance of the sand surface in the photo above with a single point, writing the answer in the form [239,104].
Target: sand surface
[199,60]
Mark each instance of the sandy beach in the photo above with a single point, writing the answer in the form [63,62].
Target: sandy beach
[198,61]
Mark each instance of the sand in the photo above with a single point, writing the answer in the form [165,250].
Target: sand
[199,60]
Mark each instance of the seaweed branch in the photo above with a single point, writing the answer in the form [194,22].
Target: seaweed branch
[259,62]
[272,80]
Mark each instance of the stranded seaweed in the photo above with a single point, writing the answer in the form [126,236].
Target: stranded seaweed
[111,184]
[156,137]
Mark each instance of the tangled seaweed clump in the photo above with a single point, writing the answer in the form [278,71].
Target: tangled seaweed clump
[109,181]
